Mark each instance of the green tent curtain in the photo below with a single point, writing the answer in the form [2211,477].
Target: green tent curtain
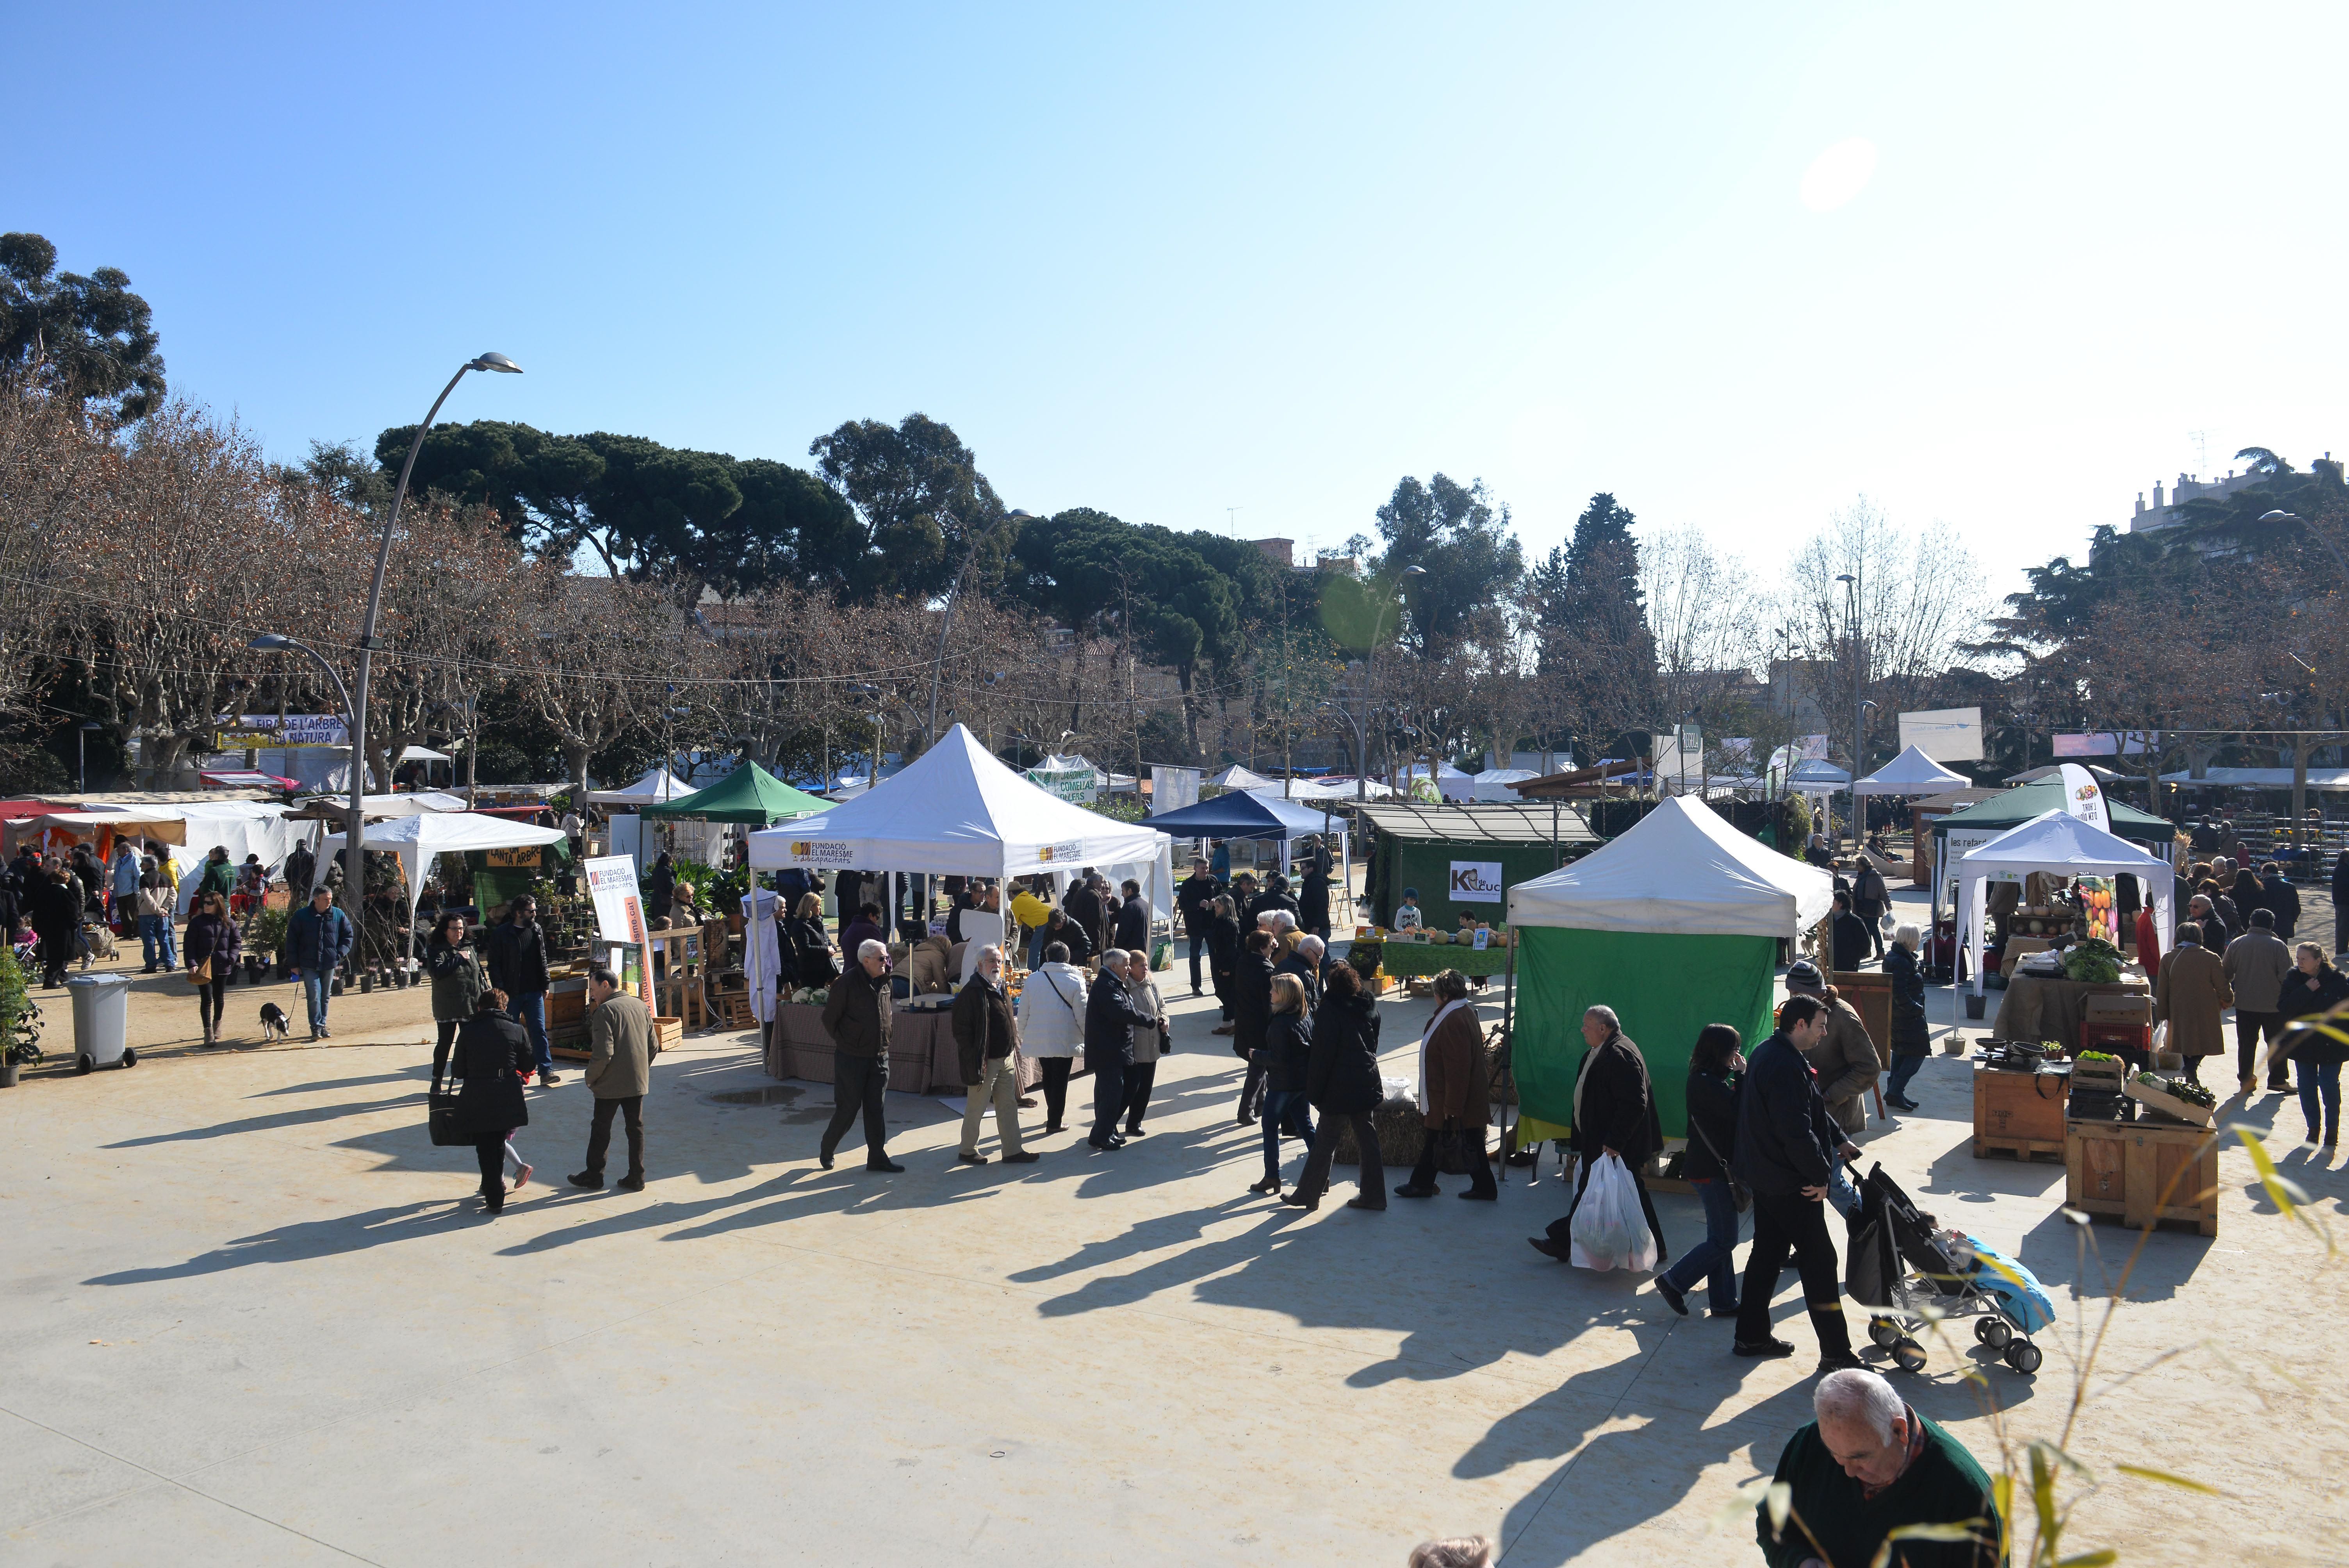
[748,794]
[1663,985]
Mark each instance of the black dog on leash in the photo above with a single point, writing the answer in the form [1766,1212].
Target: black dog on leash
[273,1022]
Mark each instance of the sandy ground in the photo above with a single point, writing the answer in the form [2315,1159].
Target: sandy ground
[253,1316]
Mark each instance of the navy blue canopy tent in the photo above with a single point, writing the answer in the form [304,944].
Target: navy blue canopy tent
[1260,815]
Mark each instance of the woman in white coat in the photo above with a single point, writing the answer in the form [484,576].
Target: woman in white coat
[1052,1026]
[1149,1040]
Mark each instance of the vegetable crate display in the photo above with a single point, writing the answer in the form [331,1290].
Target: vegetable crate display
[2020,1113]
[2120,1170]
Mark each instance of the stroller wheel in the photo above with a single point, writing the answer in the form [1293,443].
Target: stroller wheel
[1907,1355]
[1997,1333]
[2023,1357]
[1883,1332]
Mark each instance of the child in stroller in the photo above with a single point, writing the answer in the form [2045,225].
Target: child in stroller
[1955,1274]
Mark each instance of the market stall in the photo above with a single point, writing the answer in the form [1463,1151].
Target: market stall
[748,797]
[1960,832]
[417,840]
[1244,817]
[1463,860]
[957,810]
[654,786]
[2059,843]
[1675,924]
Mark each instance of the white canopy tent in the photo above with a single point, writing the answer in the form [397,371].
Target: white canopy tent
[1911,773]
[2060,843]
[1682,870]
[1238,778]
[241,826]
[957,810]
[1313,792]
[165,824]
[657,786]
[417,840]
[1493,784]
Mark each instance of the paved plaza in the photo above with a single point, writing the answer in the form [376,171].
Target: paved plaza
[253,1316]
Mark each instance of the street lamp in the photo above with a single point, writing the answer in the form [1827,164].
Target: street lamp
[276,642]
[1851,616]
[356,829]
[2331,549]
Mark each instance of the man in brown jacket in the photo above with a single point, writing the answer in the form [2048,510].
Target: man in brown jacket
[987,1039]
[2191,996]
[1458,1094]
[857,1019]
[2257,964]
[1845,1058]
[619,1070]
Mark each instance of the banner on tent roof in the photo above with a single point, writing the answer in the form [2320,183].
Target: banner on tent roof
[243,732]
[2083,798]
[820,853]
[1066,854]
[1078,786]
[1944,734]
[1476,882]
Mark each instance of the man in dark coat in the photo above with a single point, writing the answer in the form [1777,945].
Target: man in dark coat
[987,1044]
[1195,900]
[1275,896]
[1060,927]
[1786,1142]
[56,910]
[1850,935]
[1251,1011]
[2284,898]
[1614,1113]
[1110,1019]
[1132,932]
[1869,898]
[301,871]
[1084,910]
[518,967]
[1342,1082]
[1313,907]
[1305,962]
[857,1018]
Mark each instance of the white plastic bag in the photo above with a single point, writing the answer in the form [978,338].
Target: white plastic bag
[1611,1231]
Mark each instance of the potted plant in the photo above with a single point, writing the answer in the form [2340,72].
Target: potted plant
[20,1021]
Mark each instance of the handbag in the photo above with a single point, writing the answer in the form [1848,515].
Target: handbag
[1459,1150]
[201,971]
[1738,1195]
[441,1118]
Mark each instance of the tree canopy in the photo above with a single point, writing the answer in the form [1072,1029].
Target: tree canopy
[88,339]
[1463,545]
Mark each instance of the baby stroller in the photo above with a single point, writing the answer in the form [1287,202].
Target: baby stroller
[1901,1261]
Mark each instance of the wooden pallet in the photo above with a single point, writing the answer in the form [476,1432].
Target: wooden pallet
[2121,1169]
[2024,1149]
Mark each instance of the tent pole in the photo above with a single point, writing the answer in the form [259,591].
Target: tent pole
[1508,1049]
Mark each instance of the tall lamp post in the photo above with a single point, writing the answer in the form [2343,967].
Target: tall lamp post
[354,831]
[1859,686]
[275,642]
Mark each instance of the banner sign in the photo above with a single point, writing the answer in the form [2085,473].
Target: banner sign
[820,853]
[1956,845]
[1172,788]
[1476,881]
[1944,734]
[2083,798]
[240,733]
[530,859]
[2107,743]
[619,906]
[1078,786]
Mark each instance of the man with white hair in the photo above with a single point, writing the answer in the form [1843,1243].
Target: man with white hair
[1870,1464]
[857,1019]
[987,1039]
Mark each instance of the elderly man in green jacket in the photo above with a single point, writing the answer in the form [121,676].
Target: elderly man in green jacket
[1869,1466]
[619,1070]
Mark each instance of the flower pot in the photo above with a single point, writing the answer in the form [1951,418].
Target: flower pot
[1975,1006]
[336,989]
[367,981]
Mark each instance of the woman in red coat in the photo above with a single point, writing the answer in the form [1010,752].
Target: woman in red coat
[2149,944]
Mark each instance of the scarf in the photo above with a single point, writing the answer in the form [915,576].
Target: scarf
[1442,1013]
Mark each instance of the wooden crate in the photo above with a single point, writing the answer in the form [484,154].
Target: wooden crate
[2020,1114]
[669,1033]
[2118,1170]
[1869,992]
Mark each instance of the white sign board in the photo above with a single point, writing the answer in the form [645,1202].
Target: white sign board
[1944,734]
[1956,845]
[2107,743]
[2083,798]
[1680,760]
[1476,881]
[619,907]
[1080,786]
[1171,789]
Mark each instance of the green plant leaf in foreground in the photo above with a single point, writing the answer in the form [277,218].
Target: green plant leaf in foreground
[2096,1559]
[2166,1479]
[2287,1195]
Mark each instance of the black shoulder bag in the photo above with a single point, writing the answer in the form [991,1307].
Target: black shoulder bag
[442,1116]
[1737,1195]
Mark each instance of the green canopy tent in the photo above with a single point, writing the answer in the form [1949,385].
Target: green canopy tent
[748,794]
[1675,924]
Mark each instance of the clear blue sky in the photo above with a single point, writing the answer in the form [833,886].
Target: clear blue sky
[1169,261]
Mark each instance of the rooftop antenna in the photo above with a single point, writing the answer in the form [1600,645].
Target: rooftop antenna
[2201,439]
[1232,519]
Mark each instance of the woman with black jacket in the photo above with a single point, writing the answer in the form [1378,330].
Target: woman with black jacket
[1313,904]
[809,954]
[1288,1053]
[1222,935]
[457,982]
[211,946]
[1716,1068]
[493,1054]
[2312,989]
[1912,1042]
[1251,1011]
[1341,1081]
[2341,902]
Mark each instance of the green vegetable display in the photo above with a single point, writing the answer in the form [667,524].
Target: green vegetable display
[2095,961]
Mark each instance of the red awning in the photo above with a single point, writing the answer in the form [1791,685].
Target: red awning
[247,779]
[12,809]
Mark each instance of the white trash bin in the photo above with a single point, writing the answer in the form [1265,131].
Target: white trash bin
[102,1017]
